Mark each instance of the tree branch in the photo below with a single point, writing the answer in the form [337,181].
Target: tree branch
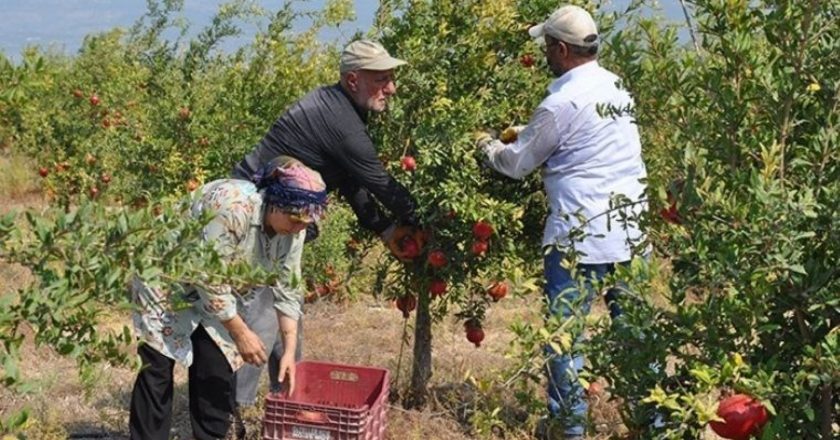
[690,25]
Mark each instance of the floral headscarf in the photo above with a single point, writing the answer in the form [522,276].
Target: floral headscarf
[293,187]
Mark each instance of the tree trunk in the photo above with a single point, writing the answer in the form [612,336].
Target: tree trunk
[422,365]
[826,410]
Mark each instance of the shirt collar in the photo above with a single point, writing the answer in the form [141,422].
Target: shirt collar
[577,72]
[258,217]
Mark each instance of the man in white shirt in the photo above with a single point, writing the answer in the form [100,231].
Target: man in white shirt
[587,143]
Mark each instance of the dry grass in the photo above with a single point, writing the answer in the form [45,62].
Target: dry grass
[359,333]
[20,184]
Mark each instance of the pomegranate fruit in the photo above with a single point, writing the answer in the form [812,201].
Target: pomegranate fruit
[743,417]
[409,247]
[474,332]
[436,259]
[437,288]
[479,248]
[498,290]
[406,304]
[408,163]
[482,230]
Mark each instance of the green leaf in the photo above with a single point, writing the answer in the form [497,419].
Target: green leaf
[798,268]
[11,372]
[809,413]
[701,375]
[14,421]
[770,431]
[769,405]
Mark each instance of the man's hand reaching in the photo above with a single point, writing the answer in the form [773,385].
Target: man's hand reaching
[405,242]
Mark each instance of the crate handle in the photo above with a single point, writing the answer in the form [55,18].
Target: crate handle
[344,376]
[312,417]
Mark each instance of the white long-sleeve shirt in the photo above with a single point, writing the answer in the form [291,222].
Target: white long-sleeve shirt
[587,142]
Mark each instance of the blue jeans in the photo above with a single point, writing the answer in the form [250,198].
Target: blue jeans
[565,395]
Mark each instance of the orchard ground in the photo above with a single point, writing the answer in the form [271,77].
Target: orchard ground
[365,332]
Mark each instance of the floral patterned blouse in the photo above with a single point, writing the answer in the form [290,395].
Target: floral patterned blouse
[237,231]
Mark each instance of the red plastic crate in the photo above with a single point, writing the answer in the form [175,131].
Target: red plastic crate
[330,402]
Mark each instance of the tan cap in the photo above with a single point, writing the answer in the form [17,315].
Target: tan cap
[367,55]
[570,24]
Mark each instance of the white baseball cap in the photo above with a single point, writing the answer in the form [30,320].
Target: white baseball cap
[570,24]
[367,55]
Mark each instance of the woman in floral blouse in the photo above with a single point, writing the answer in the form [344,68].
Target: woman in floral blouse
[262,222]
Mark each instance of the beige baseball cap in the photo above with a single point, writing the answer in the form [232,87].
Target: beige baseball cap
[367,55]
[570,24]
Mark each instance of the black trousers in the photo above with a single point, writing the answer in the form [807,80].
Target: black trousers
[211,387]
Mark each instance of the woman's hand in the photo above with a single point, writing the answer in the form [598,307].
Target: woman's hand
[249,345]
[286,372]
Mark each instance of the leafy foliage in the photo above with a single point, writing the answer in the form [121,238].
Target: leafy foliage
[153,114]
[739,137]
[82,262]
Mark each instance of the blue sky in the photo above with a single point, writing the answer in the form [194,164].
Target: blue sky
[62,24]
